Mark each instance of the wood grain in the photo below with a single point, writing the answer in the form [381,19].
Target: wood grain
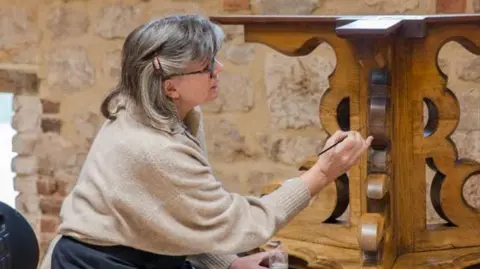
[386,227]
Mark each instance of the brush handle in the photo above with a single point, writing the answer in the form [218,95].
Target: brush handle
[336,143]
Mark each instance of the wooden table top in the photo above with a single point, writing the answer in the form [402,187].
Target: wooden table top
[259,19]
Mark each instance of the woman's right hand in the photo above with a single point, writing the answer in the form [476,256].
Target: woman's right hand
[343,156]
[336,161]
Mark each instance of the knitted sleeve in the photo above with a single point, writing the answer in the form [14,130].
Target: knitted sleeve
[180,208]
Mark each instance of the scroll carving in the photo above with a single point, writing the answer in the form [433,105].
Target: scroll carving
[338,109]
[375,221]
[385,192]
[379,103]
[441,153]
[433,145]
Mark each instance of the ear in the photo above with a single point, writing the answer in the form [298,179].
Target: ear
[170,90]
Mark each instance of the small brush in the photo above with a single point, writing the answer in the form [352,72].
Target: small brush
[336,143]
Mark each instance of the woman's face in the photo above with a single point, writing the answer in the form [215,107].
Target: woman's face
[197,85]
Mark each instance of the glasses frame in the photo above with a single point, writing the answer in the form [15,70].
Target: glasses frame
[209,69]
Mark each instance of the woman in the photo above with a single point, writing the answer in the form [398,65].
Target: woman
[146,196]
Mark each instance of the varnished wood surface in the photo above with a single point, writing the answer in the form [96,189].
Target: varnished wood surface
[385,191]
[462,258]
[289,19]
[437,147]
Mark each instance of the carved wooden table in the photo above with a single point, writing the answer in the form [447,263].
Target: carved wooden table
[386,72]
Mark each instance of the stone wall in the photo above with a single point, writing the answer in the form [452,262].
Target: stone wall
[60,57]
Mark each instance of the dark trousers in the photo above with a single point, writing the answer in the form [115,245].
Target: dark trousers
[72,254]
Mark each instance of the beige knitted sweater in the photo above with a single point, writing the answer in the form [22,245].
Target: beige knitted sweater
[155,191]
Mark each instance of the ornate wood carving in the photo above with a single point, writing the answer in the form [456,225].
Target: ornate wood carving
[437,149]
[386,70]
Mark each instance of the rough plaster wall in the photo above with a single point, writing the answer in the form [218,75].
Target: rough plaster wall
[263,123]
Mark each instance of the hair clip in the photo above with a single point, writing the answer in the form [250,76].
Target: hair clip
[157,66]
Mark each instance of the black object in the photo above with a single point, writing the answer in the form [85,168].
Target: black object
[18,244]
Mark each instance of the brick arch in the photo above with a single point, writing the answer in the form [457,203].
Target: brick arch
[39,194]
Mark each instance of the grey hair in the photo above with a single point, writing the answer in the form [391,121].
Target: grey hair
[177,41]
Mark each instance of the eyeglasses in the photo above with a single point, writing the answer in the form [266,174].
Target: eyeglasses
[208,69]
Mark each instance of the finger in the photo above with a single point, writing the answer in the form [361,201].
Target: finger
[368,141]
[337,136]
[338,133]
[350,145]
[359,142]
[261,256]
[257,257]
[351,154]
[358,154]
[362,143]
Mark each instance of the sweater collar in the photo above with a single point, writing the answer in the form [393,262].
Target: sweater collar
[191,122]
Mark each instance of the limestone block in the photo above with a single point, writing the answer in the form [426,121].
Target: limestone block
[225,142]
[469,101]
[290,150]
[257,180]
[476,6]
[376,7]
[50,205]
[443,63]
[64,182]
[451,6]
[468,144]
[49,224]
[173,8]
[284,7]
[232,32]
[117,20]
[471,191]
[471,72]
[27,56]
[26,203]
[87,125]
[27,114]
[18,27]
[235,94]
[31,104]
[26,184]
[18,82]
[69,69]
[432,215]
[55,153]
[235,5]
[24,143]
[65,22]
[112,64]
[24,165]
[46,185]
[393,6]
[231,182]
[241,54]
[295,86]
[453,58]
